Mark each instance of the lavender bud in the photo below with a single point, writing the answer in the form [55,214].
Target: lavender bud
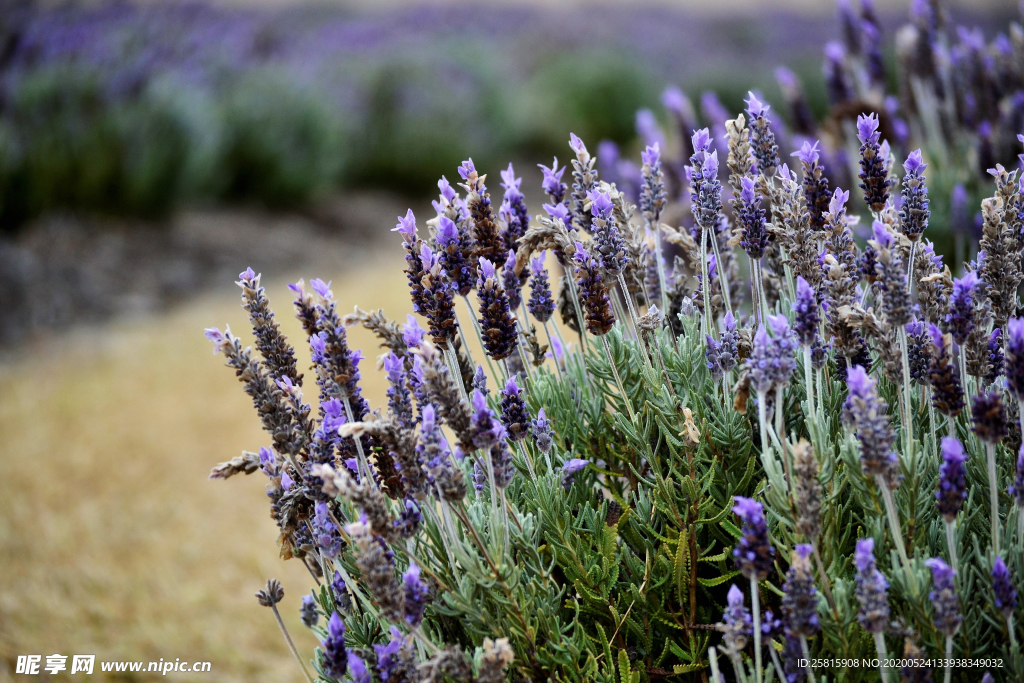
[541,305]
[944,598]
[340,593]
[652,194]
[873,174]
[272,345]
[896,305]
[414,266]
[762,139]
[952,489]
[487,242]
[552,183]
[751,219]
[542,432]
[947,392]
[760,364]
[593,293]
[706,201]
[518,215]
[800,597]
[867,415]
[871,589]
[437,303]
[416,594]
[511,282]
[513,411]
[325,531]
[357,669]
[914,210]
[608,246]
[785,345]
[806,490]
[754,553]
[496,322]
[995,356]
[570,469]
[736,623]
[807,313]
[501,460]
[989,417]
[308,613]
[919,352]
[1002,588]
[272,594]
[454,251]
[484,427]
[376,562]
[815,184]
[961,319]
[335,656]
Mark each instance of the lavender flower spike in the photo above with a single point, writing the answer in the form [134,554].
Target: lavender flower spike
[800,597]
[570,469]
[1017,487]
[497,325]
[754,553]
[335,661]
[736,623]
[914,211]
[944,598]
[593,293]
[989,417]
[514,415]
[807,313]
[873,174]
[867,414]
[952,489]
[751,219]
[961,318]
[1002,588]
[871,589]
[541,304]
[762,139]
[416,593]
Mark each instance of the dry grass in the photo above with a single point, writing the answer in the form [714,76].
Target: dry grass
[112,540]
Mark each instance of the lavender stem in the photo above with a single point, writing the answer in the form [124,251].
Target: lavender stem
[908,415]
[949,655]
[894,521]
[808,383]
[993,493]
[705,282]
[721,273]
[880,648]
[951,543]
[755,604]
[479,334]
[618,380]
[807,657]
[291,644]
[661,267]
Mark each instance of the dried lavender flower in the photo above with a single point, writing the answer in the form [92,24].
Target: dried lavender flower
[800,597]
[874,175]
[945,603]
[872,589]
[754,552]
[447,664]
[272,594]
[307,613]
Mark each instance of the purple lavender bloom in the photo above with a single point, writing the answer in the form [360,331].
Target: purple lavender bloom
[995,356]
[485,428]
[947,392]
[416,594]
[541,303]
[807,314]
[480,380]
[868,415]
[891,277]
[815,184]
[325,531]
[414,266]
[800,597]
[453,251]
[514,415]
[944,598]
[519,216]
[552,183]
[497,325]
[608,245]
[760,364]
[786,344]
[988,416]
[728,351]
[335,659]
[1002,588]
[762,139]
[357,669]
[511,282]
[1016,489]
[914,211]
[952,489]
[541,428]
[1013,360]
[652,195]
[396,661]
[308,613]
[701,140]
[593,293]
[570,469]
[399,396]
[961,318]
[706,201]
[437,302]
[713,354]
[871,589]
[409,519]
[751,218]
[754,552]
[412,333]
[648,129]
[501,459]
[340,593]
[737,621]
[874,62]
[873,174]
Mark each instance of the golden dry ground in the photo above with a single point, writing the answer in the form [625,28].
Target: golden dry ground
[113,541]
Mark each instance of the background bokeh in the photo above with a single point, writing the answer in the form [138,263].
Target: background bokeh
[149,152]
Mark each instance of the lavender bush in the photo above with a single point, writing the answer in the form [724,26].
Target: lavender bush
[809,452]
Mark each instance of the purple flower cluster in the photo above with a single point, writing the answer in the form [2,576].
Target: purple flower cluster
[867,414]
[593,293]
[914,211]
[874,172]
[945,603]
[952,489]
[872,589]
[498,327]
[514,415]
[754,553]
[737,623]
[799,596]
[541,305]
[762,139]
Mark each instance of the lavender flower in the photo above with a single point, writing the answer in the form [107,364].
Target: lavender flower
[1013,360]
[750,216]
[736,623]
[396,661]
[760,364]
[335,656]
[570,469]
[943,597]
[414,265]
[989,417]
[995,356]
[962,318]
[593,293]
[399,397]
[584,181]
[800,597]
[511,282]
[484,426]
[519,217]
[416,594]
[728,349]
[513,411]
[947,392]
[815,184]
[608,245]
[762,139]
[552,183]
[376,564]
[867,415]
[785,345]
[455,256]
[806,490]
[501,460]
[807,315]
[437,303]
[896,305]
[914,210]
[754,553]
[272,344]
[871,589]
[412,333]
[308,613]
[706,202]
[873,173]
[326,532]
[487,242]
[497,325]
[952,489]
[652,194]
[1002,588]
[541,304]
[541,429]
[410,518]
[357,669]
